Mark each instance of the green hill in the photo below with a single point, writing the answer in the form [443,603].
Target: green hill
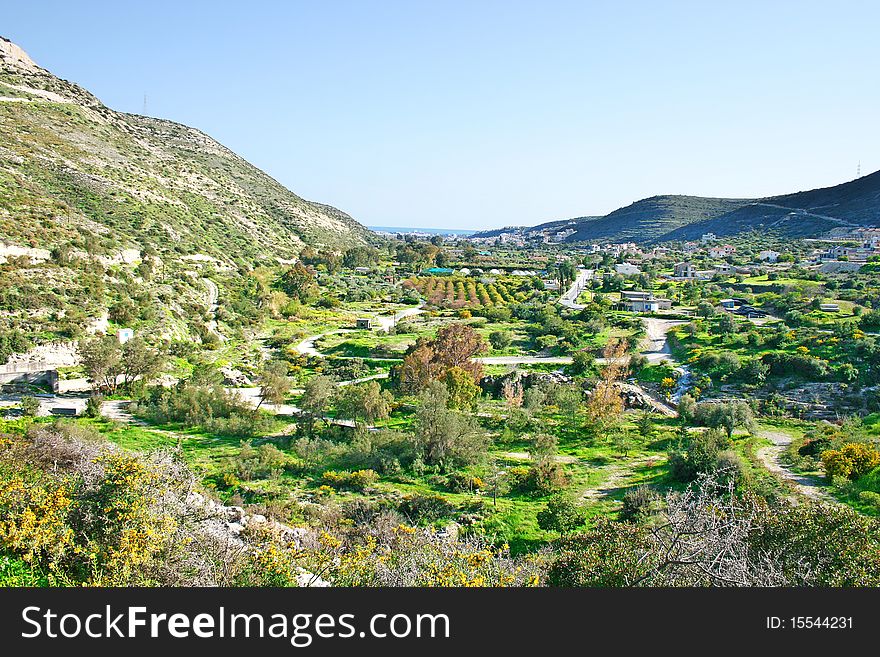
[803,214]
[104,192]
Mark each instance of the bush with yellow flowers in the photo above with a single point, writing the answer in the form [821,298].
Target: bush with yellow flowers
[851,461]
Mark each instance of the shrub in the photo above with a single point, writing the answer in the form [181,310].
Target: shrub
[561,515]
[640,503]
[426,508]
[462,482]
[259,463]
[499,339]
[697,453]
[870,498]
[851,461]
[93,406]
[357,480]
[30,406]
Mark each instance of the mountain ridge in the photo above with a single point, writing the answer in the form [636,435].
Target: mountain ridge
[670,217]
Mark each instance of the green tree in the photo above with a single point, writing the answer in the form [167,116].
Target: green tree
[30,405]
[500,339]
[443,436]
[101,358]
[317,394]
[561,515]
[363,403]
[274,383]
[139,362]
[298,283]
[463,391]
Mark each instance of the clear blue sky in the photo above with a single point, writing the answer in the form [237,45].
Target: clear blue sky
[483,114]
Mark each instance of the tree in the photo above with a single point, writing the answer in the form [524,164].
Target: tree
[93,406]
[582,362]
[463,390]
[274,384]
[561,515]
[726,325]
[360,256]
[687,408]
[696,454]
[500,339]
[139,362]
[101,357]
[645,425]
[363,403]
[512,391]
[606,400]
[727,416]
[570,400]
[442,436]
[623,441]
[705,309]
[298,283]
[533,399]
[544,446]
[456,345]
[418,368]
[429,360]
[316,397]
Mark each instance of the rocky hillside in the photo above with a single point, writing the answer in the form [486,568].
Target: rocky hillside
[100,210]
[71,166]
[803,214]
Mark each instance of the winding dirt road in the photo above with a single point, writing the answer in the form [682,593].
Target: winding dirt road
[771,458]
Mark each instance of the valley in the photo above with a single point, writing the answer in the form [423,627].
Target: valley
[208,380]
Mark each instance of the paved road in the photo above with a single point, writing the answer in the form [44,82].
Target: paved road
[569,297]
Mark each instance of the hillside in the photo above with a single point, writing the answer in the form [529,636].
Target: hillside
[85,184]
[68,162]
[802,214]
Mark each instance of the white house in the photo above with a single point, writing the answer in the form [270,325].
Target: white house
[721,251]
[124,335]
[684,270]
[627,269]
[643,302]
[768,256]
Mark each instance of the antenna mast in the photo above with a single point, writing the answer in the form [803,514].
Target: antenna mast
[144,113]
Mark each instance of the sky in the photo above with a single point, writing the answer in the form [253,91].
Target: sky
[489,113]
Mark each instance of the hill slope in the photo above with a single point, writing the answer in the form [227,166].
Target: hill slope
[803,214]
[106,213]
[68,161]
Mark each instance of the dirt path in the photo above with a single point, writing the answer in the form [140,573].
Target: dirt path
[525,456]
[771,458]
[655,346]
[383,322]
